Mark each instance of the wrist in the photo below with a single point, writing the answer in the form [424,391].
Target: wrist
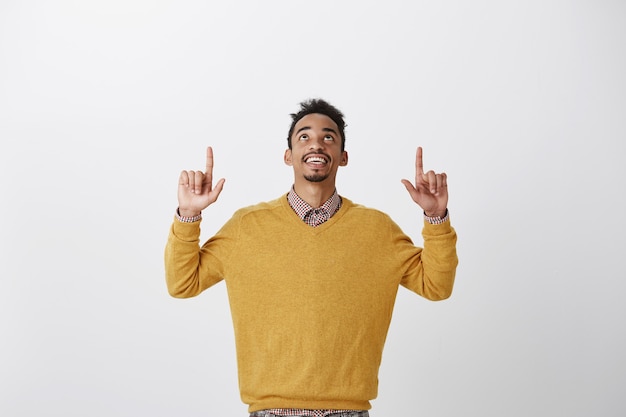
[188,216]
[436,213]
[442,218]
[188,212]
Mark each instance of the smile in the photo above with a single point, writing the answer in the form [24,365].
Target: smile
[316,160]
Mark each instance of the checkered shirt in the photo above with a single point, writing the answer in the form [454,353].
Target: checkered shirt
[305,413]
[310,215]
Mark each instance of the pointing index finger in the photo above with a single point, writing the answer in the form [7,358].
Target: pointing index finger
[419,165]
[209,164]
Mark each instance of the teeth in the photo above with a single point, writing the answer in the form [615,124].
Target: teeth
[316,159]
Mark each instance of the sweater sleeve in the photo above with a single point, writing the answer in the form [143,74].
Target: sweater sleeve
[189,268]
[430,271]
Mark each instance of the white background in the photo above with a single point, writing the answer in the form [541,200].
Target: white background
[523,104]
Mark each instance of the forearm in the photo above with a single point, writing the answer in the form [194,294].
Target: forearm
[439,260]
[182,260]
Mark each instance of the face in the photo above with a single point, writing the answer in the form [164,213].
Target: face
[315,153]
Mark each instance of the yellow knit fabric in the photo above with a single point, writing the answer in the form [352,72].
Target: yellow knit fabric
[310,306]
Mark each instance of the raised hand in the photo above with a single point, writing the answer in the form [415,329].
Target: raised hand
[195,188]
[430,190]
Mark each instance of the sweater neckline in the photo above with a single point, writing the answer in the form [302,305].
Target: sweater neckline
[293,216]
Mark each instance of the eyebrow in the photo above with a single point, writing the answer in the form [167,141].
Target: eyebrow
[325,129]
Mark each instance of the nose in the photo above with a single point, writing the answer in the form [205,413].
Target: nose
[316,142]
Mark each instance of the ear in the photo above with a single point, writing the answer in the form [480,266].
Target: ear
[344,159]
[287,157]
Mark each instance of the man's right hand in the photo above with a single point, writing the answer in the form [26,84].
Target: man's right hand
[195,189]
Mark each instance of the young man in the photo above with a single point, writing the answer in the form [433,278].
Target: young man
[311,276]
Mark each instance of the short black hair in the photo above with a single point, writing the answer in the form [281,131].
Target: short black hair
[319,106]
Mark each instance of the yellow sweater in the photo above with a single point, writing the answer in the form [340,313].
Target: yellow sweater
[310,306]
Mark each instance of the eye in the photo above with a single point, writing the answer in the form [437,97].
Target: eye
[329,138]
[304,137]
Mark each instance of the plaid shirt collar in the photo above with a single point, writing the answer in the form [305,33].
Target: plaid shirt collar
[311,215]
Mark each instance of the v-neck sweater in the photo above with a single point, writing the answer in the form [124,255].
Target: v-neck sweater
[311,307]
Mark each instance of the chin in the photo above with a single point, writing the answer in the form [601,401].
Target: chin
[315,178]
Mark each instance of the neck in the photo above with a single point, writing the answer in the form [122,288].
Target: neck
[314,193]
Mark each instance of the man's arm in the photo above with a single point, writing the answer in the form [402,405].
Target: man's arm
[182,252]
[433,275]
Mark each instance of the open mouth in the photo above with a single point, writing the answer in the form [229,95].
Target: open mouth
[316,160]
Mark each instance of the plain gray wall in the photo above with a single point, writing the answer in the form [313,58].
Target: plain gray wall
[103,103]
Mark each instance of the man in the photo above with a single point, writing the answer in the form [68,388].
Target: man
[311,276]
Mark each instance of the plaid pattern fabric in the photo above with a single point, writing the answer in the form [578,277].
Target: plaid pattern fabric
[188,219]
[437,220]
[310,215]
[306,413]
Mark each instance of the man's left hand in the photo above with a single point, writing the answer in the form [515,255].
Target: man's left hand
[430,190]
